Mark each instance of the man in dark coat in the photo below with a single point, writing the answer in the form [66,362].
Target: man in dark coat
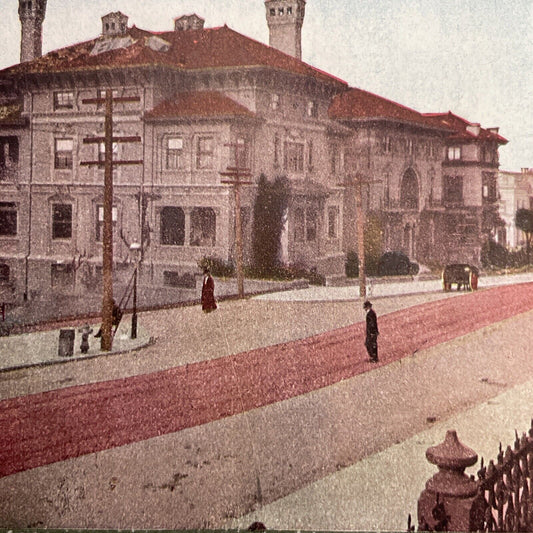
[208,292]
[372,332]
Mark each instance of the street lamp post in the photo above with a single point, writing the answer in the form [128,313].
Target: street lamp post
[136,248]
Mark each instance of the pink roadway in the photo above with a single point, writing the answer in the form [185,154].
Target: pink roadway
[53,426]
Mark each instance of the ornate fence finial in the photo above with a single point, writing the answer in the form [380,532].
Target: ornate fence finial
[454,491]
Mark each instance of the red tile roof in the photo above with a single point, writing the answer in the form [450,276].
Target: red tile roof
[198,104]
[189,50]
[460,127]
[359,104]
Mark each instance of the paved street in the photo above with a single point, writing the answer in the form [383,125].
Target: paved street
[253,459]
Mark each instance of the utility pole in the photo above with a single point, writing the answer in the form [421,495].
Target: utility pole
[107,235]
[237,172]
[360,219]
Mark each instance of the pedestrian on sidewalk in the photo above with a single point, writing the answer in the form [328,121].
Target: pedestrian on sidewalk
[116,318]
[372,332]
[208,292]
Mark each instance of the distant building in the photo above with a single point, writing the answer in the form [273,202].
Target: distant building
[516,192]
[201,92]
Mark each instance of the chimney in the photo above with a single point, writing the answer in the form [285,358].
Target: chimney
[474,129]
[285,19]
[114,24]
[31,14]
[189,22]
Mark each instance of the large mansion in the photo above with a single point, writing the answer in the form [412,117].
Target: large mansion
[209,99]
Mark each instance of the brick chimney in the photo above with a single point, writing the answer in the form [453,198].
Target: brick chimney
[285,19]
[31,14]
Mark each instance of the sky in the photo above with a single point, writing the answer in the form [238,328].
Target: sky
[471,57]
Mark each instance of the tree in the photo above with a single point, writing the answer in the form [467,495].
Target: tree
[524,222]
[269,218]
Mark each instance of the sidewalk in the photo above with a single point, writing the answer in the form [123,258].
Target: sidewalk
[379,288]
[378,492]
[41,348]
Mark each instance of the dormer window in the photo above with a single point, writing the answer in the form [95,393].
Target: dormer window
[454,153]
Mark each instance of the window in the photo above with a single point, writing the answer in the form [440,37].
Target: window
[310,224]
[454,153]
[277,147]
[240,153]
[4,272]
[333,160]
[63,154]
[61,221]
[172,226]
[312,109]
[289,10]
[453,189]
[100,221]
[101,94]
[280,11]
[174,153]
[62,275]
[305,224]
[272,12]
[64,100]
[310,155]
[8,218]
[386,144]
[409,190]
[294,157]
[275,101]
[101,152]
[204,153]
[299,225]
[9,151]
[203,227]
[489,188]
[333,221]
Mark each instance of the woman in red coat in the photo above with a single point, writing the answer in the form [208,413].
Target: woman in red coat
[208,292]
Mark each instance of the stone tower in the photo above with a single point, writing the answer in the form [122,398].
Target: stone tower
[31,14]
[285,19]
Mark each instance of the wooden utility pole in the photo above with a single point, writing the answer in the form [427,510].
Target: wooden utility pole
[107,235]
[360,219]
[237,172]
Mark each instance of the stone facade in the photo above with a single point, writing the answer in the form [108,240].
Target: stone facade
[431,176]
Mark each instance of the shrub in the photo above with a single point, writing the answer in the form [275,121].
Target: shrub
[494,254]
[218,267]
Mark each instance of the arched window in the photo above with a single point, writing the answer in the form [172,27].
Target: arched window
[409,190]
[172,226]
[203,227]
[4,272]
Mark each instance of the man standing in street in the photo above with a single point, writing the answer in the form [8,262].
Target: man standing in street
[372,332]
